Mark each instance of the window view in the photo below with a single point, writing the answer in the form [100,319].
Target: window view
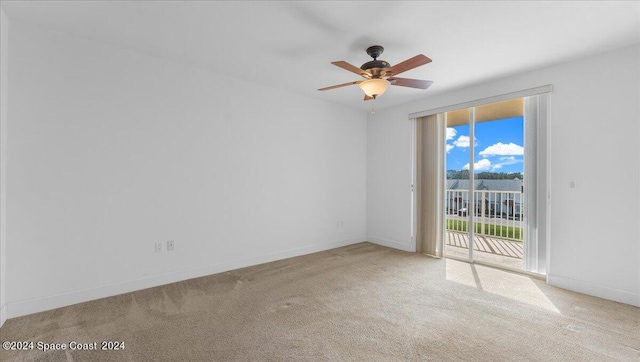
[497,202]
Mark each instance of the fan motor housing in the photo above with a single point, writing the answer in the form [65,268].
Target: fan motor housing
[380,64]
[375,67]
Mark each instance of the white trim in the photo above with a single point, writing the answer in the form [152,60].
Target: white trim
[595,290]
[443,191]
[414,181]
[4,91]
[544,183]
[36,305]
[392,244]
[479,102]
[471,205]
[3,314]
[530,183]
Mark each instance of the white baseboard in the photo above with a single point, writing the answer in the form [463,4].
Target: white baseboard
[3,314]
[595,290]
[391,243]
[17,309]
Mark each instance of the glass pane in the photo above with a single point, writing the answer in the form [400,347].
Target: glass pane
[499,178]
[457,185]
[495,211]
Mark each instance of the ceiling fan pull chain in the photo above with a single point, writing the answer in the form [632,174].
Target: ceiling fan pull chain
[373,103]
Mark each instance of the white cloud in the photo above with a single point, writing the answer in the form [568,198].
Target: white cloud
[486,165]
[449,147]
[504,161]
[482,165]
[462,141]
[501,149]
[451,133]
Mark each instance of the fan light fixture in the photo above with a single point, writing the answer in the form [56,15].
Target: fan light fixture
[374,87]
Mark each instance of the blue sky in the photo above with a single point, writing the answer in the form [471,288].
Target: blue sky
[499,146]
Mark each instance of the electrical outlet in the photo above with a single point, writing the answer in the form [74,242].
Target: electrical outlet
[170,245]
[159,246]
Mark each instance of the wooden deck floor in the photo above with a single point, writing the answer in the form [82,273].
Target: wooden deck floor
[486,244]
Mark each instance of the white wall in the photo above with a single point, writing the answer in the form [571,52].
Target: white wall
[4,87]
[594,141]
[111,151]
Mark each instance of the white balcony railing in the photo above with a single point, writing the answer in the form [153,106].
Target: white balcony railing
[496,213]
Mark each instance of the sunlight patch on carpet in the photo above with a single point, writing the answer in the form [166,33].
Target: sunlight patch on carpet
[513,286]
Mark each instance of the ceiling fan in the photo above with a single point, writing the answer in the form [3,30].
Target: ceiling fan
[379,74]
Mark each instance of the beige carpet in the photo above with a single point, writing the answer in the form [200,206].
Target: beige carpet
[358,303]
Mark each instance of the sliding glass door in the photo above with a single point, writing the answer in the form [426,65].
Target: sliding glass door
[488,212]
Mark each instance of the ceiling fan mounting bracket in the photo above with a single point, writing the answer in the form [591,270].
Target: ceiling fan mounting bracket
[374,51]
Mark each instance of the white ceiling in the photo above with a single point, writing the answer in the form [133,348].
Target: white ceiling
[290,45]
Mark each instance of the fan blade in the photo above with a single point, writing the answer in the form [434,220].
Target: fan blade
[352,68]
[340,85]
[408,64]
[412,83]
[367,98]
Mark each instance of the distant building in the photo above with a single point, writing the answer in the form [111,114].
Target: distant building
[489,185]
[501,197]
